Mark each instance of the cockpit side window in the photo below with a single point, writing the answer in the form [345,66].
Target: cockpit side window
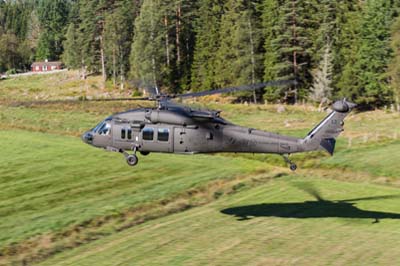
[105,129]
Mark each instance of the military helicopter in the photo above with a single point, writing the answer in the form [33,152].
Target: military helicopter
[173,128]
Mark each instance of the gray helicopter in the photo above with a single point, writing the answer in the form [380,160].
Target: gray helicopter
[173,128]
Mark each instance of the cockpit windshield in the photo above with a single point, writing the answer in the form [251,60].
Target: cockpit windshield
[103,128]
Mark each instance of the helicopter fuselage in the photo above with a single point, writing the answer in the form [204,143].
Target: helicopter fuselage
[180,129]
[184,132]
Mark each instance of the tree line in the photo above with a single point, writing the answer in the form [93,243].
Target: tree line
[343,48]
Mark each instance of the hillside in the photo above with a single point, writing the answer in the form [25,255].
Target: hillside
[65,203]
[272,224]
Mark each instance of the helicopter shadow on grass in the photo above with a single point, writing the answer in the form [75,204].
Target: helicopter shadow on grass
[320,208]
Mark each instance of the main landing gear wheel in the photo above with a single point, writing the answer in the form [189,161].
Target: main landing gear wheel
[293,167]
[132,160]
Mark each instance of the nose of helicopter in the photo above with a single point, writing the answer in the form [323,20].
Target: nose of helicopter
[87,137]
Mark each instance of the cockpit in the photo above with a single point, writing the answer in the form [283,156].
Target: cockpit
[103,128]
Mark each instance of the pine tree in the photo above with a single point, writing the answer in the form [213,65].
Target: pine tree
[149,56]
[289,42]
[238,56]
[321,91]
[207,42]
[118,36]
[34,30]
[72,54]
[394,67]
[92,15]
[53,17]
[370,85]
[45,49]
[182,34]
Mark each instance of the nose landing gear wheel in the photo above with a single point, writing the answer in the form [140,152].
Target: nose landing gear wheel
[132,160]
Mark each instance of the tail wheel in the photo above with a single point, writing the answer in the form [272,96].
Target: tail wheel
[132,160]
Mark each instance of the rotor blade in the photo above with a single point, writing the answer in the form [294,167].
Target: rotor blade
[252,87]
[309,189]
[372,198]
[44,102]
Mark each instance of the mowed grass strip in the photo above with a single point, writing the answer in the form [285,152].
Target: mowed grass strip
[49,182]
[379,160]
[277,223]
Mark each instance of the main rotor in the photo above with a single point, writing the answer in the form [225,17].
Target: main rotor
[164,100]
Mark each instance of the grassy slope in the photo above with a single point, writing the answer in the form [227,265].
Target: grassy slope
[54,86]
[379,160]
[205,236]
[48,182]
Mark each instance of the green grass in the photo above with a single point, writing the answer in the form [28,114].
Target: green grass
[54,185]
[285,226]
[379,160]
[54,86]
[49,182]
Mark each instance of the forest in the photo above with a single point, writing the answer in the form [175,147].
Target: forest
[334,49]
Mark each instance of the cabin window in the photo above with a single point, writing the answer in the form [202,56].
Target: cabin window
[129,134]
[163,134]
[148,133]
[123,133]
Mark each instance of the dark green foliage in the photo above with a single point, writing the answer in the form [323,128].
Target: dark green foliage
[53,17]
[118,35]
[207,42]
[149,54]
[394,67]
[197,45]
[72,55]
[239,56]
[364,80]
[289,42]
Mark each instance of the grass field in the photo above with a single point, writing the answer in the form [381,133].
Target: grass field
[65,203]
[50,182]
[284,226]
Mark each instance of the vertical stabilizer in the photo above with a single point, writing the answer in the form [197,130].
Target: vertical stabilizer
[323,136]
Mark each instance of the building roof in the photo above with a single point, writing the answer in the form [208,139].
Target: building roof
[54,63]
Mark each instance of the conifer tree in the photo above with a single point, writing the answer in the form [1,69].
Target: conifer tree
[289,42]
[238,56]
[72,55]
[321,90]
[182,33]
[53,17]
[207,42]
[370,86]
[92,15]
[149,56]
[394,67]
[118,36]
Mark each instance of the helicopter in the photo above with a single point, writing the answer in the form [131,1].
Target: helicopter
[173,128]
